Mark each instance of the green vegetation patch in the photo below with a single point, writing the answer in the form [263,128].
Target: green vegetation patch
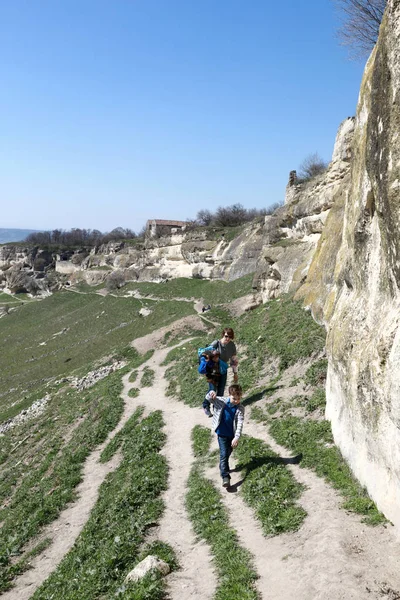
[121,436]
[42,462]
[174,337]
[133,376]
[68,331]
[212,292]
[316,374]
[185,383]
[281,328]
[201,440]
[314,440]
[7,299]
[147,378]
[236,575]
[134,392]
[129,504]
[269,487]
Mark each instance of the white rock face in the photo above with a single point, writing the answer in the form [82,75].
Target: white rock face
[150,563]
[292,234]
[67,267]
[363,344]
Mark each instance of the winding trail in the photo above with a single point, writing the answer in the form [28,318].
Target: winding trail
[332,557]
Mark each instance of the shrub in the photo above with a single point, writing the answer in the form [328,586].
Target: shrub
[311,166]
[115,280]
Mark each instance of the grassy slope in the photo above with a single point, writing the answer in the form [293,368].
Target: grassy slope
[42,459]
[280,330]
[95,326]
[129,504]
[213,292]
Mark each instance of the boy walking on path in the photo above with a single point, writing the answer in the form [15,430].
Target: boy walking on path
[228,424]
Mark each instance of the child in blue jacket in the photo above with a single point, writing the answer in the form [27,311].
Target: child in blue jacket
[212,367]
[227,424]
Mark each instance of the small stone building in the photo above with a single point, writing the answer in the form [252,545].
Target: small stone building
[159,227]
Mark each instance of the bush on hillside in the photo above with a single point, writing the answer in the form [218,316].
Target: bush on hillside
[115,280]
[78,237]
[230,216]
[311,166]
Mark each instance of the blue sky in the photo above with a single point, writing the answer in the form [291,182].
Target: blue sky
[116,111]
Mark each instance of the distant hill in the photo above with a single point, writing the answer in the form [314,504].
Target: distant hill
[14,235]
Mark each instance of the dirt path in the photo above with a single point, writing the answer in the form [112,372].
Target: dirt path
[332,557]
[196,578]
[66,528]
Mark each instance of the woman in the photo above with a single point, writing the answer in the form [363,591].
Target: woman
[227,350]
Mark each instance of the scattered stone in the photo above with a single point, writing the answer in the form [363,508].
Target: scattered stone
[94,376]
[150,563]
[145,312]
[36,409]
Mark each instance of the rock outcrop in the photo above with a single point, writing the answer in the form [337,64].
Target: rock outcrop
[363,344]
[189,254]
[295,233]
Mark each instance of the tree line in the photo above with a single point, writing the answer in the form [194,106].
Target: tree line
[80,237]
[230,216]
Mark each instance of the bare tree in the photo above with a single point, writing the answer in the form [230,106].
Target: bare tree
[204,217]
[360,28]
[311,166]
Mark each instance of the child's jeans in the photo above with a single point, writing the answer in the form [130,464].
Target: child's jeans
[220,389]
[225,450]
[211,388]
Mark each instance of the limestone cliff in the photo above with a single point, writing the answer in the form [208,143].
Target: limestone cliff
[363,388]
[202,253]
[307,226]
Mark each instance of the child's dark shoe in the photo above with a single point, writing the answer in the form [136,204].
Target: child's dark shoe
[226,482]
[208,412]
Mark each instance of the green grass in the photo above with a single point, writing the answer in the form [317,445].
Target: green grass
[236,575]
[147,378]
[129,505]
[133,376]
[95,326]
[281,329]
[213,292]
[42,464]
[316,401]
[269,487]
[8,299]
[174,337]
[138,359]
[316,374]
[120,438]
[313,439]
[201,440]
[186,383]
[134,392]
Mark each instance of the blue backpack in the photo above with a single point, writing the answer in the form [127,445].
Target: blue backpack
[200,351]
